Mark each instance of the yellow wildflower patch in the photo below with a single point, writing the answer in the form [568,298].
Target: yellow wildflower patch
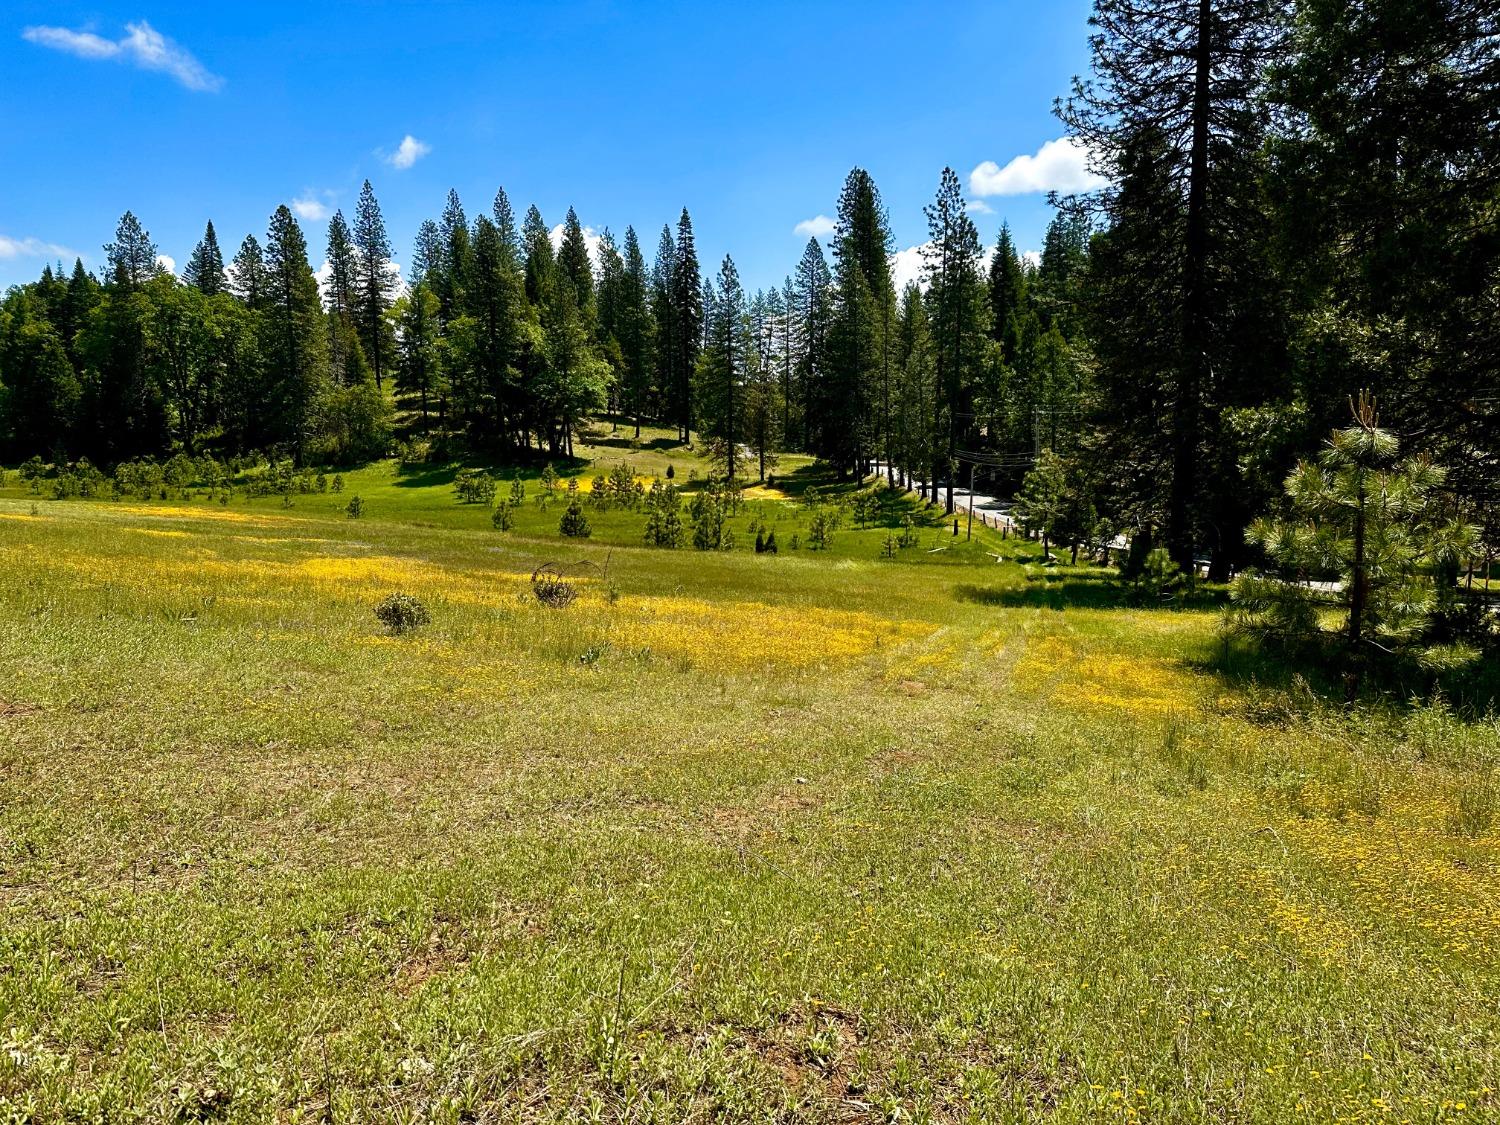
[1140,685]
[743,636]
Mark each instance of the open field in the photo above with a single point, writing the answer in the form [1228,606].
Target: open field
[813,837]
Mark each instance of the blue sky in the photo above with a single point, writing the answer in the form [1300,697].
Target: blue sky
[750,114]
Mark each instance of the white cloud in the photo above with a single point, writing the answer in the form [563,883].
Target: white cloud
[31,248]
[978,207]
[1032,258]
[408,152]
[1060,165]
[819,226]
[906,266]
[308,206]
[590,239]
[168,263]
[141,45]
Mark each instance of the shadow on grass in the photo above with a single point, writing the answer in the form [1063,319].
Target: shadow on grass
[1313,673]
[1087,591]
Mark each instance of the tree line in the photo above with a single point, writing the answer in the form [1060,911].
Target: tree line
[1300,206]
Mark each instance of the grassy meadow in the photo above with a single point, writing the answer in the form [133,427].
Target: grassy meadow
[817,836]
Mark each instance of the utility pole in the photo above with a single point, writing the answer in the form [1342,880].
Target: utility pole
[970,533]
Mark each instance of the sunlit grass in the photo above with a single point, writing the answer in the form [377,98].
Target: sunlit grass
[807,837]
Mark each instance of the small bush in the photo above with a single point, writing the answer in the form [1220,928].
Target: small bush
[355,508]
[574,523]
[338,483]
[552,589]
[402,613]
[503,518]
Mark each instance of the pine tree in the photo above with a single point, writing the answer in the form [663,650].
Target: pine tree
[1361,515]
[1183,76]
[857,385]
[427,255]
[375,284]
[573,260]
[132,255]
[346,357]
[457,251]
[686,322]
[1007,295]
[1386,183]
[294,348]
[205,268]
[418,359]
[960,322]
[494,307]
[635,331]
[813,306]
[722,368]
[247,280]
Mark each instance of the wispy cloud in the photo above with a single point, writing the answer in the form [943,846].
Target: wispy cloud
[11,248]
[978,207]
[819,226]
[142,46]
[309,206]
[408,152]
[1061,166]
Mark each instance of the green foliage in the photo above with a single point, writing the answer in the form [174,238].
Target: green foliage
[474,486]
[707,511]
[1366,534]
[663,515]
[574,523]
[355,508]
[503,518]
[402,613]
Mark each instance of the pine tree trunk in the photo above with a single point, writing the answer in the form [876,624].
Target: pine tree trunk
[1191,374]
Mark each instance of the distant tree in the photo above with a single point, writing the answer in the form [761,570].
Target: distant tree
[247,276]
[1040,506]
[574,262]
[346,359]
[686,323]
[294,349]
[574,523]
[131,256]
[375,284]
[812,309]
[722,367]
[960,325]
[205,268]
[635,331]
[419,356]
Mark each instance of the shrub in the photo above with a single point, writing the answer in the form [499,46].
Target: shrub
[503,517]
[820,529]
[355,508]
[663,516]
[402,613]
[338,483]
[574,523]
[474,486]
[551,588]
[517,491]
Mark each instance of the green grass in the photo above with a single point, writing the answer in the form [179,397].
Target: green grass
[810,837]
